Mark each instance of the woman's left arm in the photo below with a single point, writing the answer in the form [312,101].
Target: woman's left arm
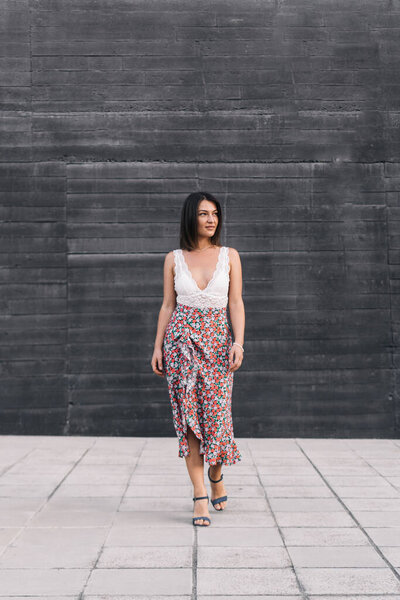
[236,309]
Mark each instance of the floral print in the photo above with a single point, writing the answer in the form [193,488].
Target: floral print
[196,349]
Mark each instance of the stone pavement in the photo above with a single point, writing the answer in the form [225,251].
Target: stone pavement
[110,518]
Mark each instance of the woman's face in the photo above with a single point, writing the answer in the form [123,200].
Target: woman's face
[207,218]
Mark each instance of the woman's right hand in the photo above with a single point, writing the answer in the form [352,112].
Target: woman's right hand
[157,362]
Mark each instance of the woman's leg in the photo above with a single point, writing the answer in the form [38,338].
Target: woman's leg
[218,489]
[195,467]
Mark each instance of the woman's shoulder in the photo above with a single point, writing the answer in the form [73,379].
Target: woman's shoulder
[233,253]
[169,257]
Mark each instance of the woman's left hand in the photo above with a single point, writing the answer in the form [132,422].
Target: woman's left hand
[235,357]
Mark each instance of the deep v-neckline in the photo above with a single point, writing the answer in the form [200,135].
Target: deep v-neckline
[191,276]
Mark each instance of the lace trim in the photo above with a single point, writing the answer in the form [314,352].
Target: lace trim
[202,298]
[226,262]
[203,302]
[216,270]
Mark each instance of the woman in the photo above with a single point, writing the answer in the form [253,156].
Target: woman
[194,349]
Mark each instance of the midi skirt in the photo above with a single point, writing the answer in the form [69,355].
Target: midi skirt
[196,349]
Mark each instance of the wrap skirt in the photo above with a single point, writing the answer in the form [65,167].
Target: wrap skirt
[196,347]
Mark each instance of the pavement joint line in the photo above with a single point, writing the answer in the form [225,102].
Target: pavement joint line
[1,474]
[302,590]
[4,471]
[349,512]
[194,565]
[46,500]
[82,594]
[377,472]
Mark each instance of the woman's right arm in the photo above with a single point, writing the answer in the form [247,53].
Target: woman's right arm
[166,310]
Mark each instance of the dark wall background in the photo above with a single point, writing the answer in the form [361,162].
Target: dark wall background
[112,112]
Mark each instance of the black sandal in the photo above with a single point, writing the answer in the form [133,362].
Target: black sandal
[198,518]
[222,498]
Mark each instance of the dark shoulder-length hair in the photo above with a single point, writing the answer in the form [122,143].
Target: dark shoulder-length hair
[188,234]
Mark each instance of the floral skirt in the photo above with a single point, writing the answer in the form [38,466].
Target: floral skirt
[196,349]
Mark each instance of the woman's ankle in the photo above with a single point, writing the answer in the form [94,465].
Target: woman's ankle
[216,470]
[199,491]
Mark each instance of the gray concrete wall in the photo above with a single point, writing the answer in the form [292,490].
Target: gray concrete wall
[112,112]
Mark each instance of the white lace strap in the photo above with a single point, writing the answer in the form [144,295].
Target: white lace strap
[225,261]
[178,264]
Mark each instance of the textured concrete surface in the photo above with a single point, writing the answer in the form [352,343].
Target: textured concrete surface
[109,518]
[112,112]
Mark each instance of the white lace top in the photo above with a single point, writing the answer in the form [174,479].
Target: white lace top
[215,295]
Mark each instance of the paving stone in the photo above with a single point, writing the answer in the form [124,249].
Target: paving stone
[29,504]
[50,517]
[239,557]
[185,491]
[149,490]
[135,597]
[384,490]
[354,480]
[15,517]
[102,504]
[389,471]
[335,556]
[298,491]
[346,470]
[35,479]
[182,479]
[152,518]
[314,519]
[54,548]
[384,536]
[239,536]
[146,557]
[7,534]
[372,504]
[25,490]
[239,518]
[181,504]
[42,582]
[141,581]
[294,505]
[252,597]
[167,519]
[114,474]
[58,597]
[378,518]
[273,445]
[324,445]
[324,536]
[262,458]
[246,581]
[285,470]
[282,455]
[354,597]
[290,480]
[89,491]
[392,553]
[150,536]
[348,581]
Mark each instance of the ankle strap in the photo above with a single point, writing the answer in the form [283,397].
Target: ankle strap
[200,497]
[214,480]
